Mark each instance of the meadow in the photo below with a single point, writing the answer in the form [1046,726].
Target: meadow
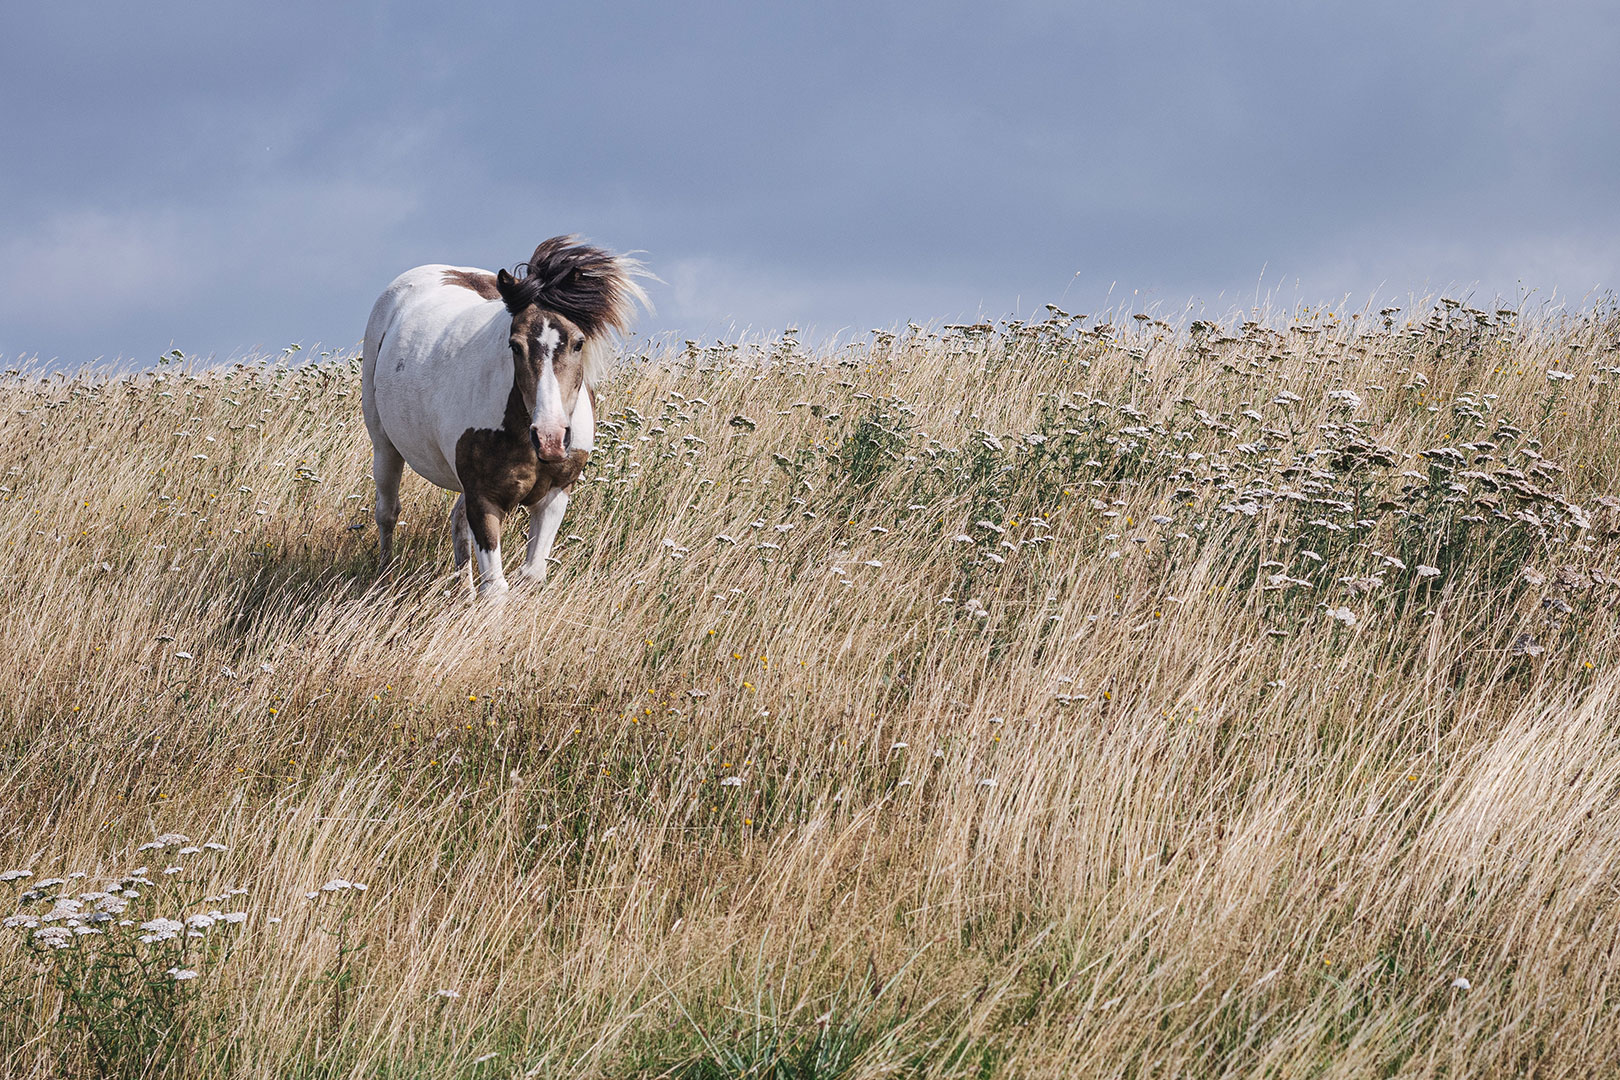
[1053,698]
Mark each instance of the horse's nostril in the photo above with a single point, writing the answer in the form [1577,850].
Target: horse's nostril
[534,437]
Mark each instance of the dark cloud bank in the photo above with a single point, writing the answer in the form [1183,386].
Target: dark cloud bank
[221,177]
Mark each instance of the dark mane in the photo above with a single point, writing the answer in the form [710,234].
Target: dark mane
[594,289]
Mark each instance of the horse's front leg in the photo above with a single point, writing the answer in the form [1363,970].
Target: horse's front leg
[484,521]
[544,521]
[546,516]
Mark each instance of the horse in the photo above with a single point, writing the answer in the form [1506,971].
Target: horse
[486,384]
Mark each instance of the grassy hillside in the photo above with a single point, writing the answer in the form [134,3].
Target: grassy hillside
[1043,699]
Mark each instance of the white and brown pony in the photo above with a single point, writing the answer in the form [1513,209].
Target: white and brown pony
[486,384]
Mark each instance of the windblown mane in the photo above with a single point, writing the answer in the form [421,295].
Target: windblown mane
[594,289]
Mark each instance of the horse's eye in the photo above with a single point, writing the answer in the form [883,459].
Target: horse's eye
[578,345]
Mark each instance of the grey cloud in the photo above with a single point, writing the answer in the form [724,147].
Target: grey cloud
[253,177]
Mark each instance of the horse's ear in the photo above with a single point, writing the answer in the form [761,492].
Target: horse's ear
[504,284]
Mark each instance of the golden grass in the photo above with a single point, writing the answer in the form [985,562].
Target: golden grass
[1102,808]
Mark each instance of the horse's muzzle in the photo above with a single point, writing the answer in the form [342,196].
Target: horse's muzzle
[551,446]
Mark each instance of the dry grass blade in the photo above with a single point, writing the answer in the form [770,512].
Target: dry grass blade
[1038,699]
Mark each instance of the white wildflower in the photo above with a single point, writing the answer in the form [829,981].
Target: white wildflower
[987,782]
[1428,571]
[179,974]
[732,781]
[53,937]
[1343,615]
[1460,983]
[234,917]
[215,845]
[1554,375]
[161,930]
[190,850]
[451,994]
[16,875]
[199,922]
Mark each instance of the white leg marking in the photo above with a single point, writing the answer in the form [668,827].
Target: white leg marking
[582,428]
[492,579]
[543,525]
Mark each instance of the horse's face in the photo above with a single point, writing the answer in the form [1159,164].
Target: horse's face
[548,353]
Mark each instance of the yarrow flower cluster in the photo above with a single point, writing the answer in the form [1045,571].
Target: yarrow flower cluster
[336,885]
[112,908]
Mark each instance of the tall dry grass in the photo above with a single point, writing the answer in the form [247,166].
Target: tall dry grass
[1044,699]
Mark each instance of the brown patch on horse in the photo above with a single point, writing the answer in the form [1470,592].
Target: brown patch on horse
[499,472]
[477,280]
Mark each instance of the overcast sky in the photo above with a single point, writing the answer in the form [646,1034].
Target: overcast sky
[219,176]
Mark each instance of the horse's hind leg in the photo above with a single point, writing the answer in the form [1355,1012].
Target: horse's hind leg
[461,533]
[544,521]
[386,469]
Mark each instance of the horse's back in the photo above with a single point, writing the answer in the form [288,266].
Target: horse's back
[434,364]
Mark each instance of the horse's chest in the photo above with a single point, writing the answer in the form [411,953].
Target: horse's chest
[502,468]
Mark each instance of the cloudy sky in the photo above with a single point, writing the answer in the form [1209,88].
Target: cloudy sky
[218,176]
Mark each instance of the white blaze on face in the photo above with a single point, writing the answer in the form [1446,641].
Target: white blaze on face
[550,417]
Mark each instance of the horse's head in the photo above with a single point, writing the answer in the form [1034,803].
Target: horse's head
[567,302]
[548,353]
